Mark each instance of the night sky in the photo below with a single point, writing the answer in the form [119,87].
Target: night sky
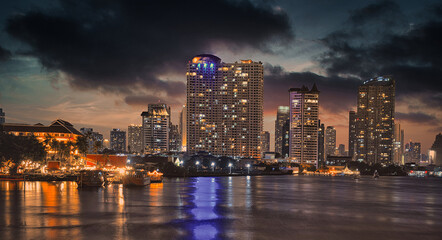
[99,63]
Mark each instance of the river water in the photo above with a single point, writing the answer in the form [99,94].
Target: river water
[260,207]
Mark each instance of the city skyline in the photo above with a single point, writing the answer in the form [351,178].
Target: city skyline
[32,85]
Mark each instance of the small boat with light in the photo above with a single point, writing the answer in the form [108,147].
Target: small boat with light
[155,177]
[136,178]
[375,174]
[90,178]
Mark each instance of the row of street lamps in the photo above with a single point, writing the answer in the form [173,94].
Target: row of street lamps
[197,163]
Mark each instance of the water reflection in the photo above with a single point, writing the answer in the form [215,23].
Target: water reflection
[274,207]
[202,198]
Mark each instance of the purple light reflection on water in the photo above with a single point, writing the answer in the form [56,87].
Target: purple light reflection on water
[265,207]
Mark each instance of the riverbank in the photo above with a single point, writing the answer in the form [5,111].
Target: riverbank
[222,174]
[38,177]
[73,177]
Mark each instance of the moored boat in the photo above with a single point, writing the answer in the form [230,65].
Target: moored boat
[93,178]
[136,178]
[12,177]
[375,174]
[155,177]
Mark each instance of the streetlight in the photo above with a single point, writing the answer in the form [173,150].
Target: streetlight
[213,167]
[230,166]
[248,168]
[197,165]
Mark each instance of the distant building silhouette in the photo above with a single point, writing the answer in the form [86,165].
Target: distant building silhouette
[330,141]
[2,116]
[118,140]
[174,139]
[341,150]
[398,145]
[265,142]
[352,134]
[321,143]
[436,149]
[285,139]
[183,128]
[135,138]
[413,152]
[282,115]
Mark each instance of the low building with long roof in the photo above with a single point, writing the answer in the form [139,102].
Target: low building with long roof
[59,130]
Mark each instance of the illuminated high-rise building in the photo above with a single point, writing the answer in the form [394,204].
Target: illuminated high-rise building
[330,141]
[183,128]
[282,115]
[174,139]
[352,134]
[2,116]
[135,138]
[118,140]
[156,127]
[321,143]
[304,110]
[412,152]
[265,142]
[285,139]
[224,106]
[398,145]
[375,120]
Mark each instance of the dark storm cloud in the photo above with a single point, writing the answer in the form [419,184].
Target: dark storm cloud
[387,12]
[4,54]
[411,54]
[375,40]
[337,94]
[417,117]
[123,45]
[142,100]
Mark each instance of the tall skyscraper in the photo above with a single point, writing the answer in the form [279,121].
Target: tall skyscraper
[156,127]
[183,128]
[304,109]
[398,145]
[135,138]
[224,106]
[330,141]
[375,120]
[2,116]
[265,142]
[352,134]
[436,150]
[413,152]
[321,143]
[118,140]
[282,115]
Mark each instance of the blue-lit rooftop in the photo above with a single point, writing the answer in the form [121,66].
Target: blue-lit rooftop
[206,59]
[381,80]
